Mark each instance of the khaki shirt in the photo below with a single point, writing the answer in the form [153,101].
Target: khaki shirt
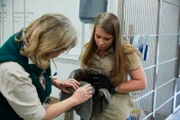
[120,104]
[16,86]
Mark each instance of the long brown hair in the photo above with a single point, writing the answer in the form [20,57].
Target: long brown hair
[110,24]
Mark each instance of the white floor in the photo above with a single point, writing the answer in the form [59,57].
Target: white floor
[175,116]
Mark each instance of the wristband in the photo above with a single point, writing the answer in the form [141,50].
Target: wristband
[54,77]
[114,90]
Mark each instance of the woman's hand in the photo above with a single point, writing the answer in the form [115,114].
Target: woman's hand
[63,84]
[82,94]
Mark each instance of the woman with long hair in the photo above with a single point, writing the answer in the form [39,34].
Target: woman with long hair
[108,53]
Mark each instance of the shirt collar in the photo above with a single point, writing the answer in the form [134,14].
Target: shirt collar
[106,54]
[109,51]
[30,61]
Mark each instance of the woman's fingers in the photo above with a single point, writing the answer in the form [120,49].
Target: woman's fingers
[88,87]
[71,83]
[75,84]
[83,93]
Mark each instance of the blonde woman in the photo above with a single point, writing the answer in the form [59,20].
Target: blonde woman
[25,75]
[108,53]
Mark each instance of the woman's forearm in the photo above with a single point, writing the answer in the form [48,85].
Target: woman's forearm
[56,109]
[137,82]
[54,82]
[131,86]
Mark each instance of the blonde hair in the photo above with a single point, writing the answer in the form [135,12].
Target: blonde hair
[110,24]
[50,33]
